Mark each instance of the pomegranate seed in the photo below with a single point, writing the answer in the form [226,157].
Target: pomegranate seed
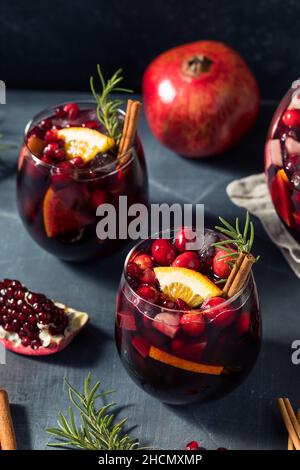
[193,445]
[90,124]
[72,110]
[163,251]
[25,341]
[32,319]
[60,113]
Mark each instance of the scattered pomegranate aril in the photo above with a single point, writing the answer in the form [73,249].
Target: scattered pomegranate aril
[98,197]
[193,445]
[72,110]
[188,259]
[163,251]
[291,118]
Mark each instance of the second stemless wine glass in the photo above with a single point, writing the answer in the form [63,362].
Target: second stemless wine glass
[58,206]
[175,367]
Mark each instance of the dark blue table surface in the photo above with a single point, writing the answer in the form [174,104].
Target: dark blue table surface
[246,419]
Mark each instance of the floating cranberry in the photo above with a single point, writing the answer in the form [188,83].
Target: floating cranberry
[144,261]
[60,113]
[291,118]
[193,445]
[221,264]
[148,293]
[184,237]
[25,341]
[188,259]
[148,276]
[163,251]
[36,343]
[90,124]
[219,317]
[72,110]
[193,323]
[133,270]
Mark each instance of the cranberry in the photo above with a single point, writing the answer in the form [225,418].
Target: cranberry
[51,136]
[183,237]
[49,150]
[193,323]
[220,264]
[193,445]
[148,276]
[219,317]
[188,259]
[72,110]
[148,293]
[133,282]
[32,319]
[59,155]
[133,270]
[90,124]
[60,113]
[163,251]
[144,261]
[291,118]
[10,328]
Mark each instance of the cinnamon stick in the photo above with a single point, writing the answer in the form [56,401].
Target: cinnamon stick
[290,445]
[239,274]
[7,433]
[290,421]
[130,126]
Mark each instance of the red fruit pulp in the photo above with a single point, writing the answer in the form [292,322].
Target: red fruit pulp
[217,81]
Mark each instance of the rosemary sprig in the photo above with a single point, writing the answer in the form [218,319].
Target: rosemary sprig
[242,240]
[107,109]
[97,429]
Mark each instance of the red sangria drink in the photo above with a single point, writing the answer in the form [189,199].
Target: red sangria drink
[75,157]
[180,338]
[282,160]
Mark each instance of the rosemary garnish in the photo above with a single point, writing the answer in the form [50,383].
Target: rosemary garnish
[107,109]
[241,239]
[97,429]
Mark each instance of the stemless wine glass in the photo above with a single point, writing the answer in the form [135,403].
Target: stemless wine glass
[175,367]
[282,160]
[58,206]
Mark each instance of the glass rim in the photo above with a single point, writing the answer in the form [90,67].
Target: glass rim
[82,171]
[171,310]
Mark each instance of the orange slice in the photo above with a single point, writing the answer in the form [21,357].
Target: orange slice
[84,142]
[166,358]
[186,284]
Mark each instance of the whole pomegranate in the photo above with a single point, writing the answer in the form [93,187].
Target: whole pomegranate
[200,98]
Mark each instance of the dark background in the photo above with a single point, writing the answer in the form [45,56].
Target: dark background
[56,44]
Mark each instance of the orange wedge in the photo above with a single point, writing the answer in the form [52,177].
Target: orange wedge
[84,142]
[166,358]
[186,284]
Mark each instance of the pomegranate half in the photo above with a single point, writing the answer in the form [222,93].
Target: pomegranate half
[33,325]
[200,98]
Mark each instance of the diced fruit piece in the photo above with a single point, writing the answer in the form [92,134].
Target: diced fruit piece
[84,142]
[189,285]
[220,264]
[219,317]
[167,323]
[148,293]
[174,361]
[291,118]
[163,251]
[185,236]
[193,323]
[273,153]
[126,321]
[281,195]
[192,351]
[35,145]
[144,261]
[243,323]
[188,259]
[141,345]
[59,217]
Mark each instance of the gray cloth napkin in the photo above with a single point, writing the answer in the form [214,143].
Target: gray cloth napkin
[252,193]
